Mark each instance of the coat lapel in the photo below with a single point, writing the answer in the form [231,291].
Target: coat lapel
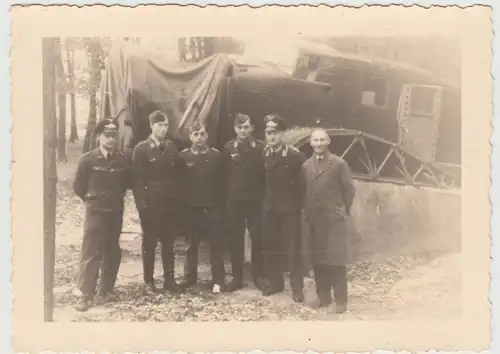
[320,168]
[154,150]
[272,159]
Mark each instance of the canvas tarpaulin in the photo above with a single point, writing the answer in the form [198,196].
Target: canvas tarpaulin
[135,83]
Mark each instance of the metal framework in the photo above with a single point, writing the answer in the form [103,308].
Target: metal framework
[377,160]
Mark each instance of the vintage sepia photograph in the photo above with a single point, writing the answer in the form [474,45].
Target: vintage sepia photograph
[247,179]
[314,184]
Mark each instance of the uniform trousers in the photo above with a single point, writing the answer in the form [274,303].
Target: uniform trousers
[203,223]
[100,251]
[327,277]
[282,249]
[241,215]
[157,223]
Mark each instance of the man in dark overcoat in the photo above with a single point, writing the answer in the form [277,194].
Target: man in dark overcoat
[102,177]
[243,167]
[155,193]
[328,196]
[282,211]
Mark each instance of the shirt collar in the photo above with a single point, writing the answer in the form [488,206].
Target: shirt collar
[322,157]
[154,140]
[104,152]
[197,151]
[282,147]
[249,140]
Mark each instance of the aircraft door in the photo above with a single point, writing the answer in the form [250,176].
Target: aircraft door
[419,113]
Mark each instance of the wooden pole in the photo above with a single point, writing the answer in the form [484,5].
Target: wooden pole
[49,173]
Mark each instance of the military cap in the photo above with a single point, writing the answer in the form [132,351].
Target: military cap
[157,117]
[274,122]
[106,126]
[196,126]
[241,118]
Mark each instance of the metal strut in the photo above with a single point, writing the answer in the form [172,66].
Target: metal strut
[372,158]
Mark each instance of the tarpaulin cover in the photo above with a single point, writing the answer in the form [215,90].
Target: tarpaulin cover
[135,83]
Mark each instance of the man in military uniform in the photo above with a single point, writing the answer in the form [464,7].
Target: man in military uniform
[102,178]
[155,193]
[328,197]
[202,194]
[244,178]
[282,210]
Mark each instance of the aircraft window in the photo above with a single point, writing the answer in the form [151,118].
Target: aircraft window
[422,101]
[375,92]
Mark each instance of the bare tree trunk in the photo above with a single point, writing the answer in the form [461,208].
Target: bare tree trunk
[94,48]
[61,100]
[49,173]
[92,121]
[73,134]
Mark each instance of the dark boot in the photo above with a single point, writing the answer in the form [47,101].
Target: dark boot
[171,286]
[318,303]
[234,285]
[340,308]
[188,281]
[84,303]
[298,296]
[107,297]
[259,282]
[149,288]
[272,288]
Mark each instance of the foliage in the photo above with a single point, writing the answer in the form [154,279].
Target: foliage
[94,50]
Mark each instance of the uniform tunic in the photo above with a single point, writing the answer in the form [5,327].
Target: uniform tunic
[201,188]
[245,183]
[282,215]
[156,197]
[101,182]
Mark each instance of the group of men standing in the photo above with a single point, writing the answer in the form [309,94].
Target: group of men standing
[268,188]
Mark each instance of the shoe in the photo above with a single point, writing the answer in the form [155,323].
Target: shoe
[317,304]
[83,304]
[270,290]
[259,282]
[107,297]
[298,296]
[234,285]
[187,283]
[340,308]
[171,286]
[149,288]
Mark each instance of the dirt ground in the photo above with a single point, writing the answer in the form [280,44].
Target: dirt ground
[422,282]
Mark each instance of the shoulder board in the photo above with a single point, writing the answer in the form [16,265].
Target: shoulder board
[185,150]
[88,153]
[214,149]
[140,143]
[229,144]
[293,148]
